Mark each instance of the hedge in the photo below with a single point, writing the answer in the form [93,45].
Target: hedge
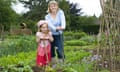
[94,29]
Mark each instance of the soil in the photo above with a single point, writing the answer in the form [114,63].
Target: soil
[37,69]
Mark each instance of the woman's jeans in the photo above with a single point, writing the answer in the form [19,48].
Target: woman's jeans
[57,46]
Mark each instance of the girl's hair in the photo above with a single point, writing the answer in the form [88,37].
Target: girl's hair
[52,2]
[39,28]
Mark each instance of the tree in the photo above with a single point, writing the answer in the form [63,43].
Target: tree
[72,13]
[7,14]
[37,9]
[74,10]
[75,13]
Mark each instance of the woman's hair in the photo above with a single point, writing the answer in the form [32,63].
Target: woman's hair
[52,2]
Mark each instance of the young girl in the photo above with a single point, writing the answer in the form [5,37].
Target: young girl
[43,38]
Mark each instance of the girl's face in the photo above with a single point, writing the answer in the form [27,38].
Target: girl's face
[53,8]
[44,28]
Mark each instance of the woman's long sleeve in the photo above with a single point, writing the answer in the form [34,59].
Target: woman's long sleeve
[62,18]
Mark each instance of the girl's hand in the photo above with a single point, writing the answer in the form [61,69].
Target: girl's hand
[51,38]
[44,37]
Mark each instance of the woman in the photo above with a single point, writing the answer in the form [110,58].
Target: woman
[56,23]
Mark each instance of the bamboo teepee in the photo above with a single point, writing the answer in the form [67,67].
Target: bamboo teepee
[109,37]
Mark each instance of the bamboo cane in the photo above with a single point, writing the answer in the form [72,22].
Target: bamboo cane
[44,43]
[110,21]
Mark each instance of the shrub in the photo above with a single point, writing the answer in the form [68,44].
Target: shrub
[25,58]
[14,68]
[94,28]
[74,35]
[68,35]
[89,39]
[76,43]
[18,44]
[78,35]
[76,56]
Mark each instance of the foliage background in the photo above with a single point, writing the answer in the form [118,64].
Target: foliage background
[37,10]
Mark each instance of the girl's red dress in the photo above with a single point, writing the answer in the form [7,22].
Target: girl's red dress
[43,52]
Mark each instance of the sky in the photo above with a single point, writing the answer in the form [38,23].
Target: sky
[89,7]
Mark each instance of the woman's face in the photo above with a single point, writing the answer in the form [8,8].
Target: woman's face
[44,28]
[53,8]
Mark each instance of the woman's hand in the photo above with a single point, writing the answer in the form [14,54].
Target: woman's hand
[60,28]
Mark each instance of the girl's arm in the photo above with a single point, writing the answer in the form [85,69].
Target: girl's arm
[37,39]
[50,37]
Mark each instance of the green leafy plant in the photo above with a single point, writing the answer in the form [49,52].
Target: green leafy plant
[26,58]
[89,39]
[21,44]
[74,35]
